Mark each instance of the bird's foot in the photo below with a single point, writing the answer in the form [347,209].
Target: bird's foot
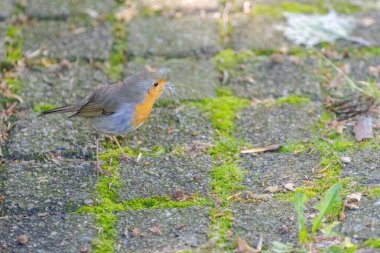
[99,170]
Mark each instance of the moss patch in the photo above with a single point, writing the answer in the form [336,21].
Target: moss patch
[372,243]
[163,202]
[293,100]
[40,107]
[221,111]
[228,59]
[374,192]
[117,59]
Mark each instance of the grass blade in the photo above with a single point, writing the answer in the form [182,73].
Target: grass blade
[299,205]
[328,205]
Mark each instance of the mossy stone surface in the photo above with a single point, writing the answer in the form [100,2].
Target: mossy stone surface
[35,136]
[263,77]
[46,9]
[364,167]
[258,33]
[191,78]
[165,175]
[52,233]
[363,223]
[277,169]
[57,186]
[265,125]
[179,126]
[60,84]
[271,220]
[177,37]
[169,230]
[188,6]
[63,40]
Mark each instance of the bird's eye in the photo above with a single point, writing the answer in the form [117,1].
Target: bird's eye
[155,84]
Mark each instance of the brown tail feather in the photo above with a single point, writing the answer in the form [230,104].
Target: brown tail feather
[68,108]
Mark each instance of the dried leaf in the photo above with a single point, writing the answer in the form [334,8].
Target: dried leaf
[243,247]
[126,13]
[289,186]
[272,189]
[261,150]
[352,201]
[363,129]
[261,197]
[374,71]
[155,230]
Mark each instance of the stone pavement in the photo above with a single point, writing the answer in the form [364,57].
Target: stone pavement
[239,84]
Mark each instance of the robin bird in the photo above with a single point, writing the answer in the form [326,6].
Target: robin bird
[117,109]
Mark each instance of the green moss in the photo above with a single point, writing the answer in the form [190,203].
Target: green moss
[228,59]
[374,192]
[40,107]
[372,243]
[295,7]
[105,240]
[12,45]
[266,10]
[117,59]
[285,197]
[226,180]
[221,111]
[344,7]
[221,222]
[163,202]
[293,100]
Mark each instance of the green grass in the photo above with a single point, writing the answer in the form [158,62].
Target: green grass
[372,243]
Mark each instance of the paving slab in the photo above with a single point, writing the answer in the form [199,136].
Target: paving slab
[68,40]
[3,29]
[263,77]
[363,223]
[31,187]
[364,167]
[162,230]
[55,9]
[35,136]
[6,8]
[367,26]
[276,169]
[59,84]
[171,127]
[266,125]
[177,37]
[60,233]
[191,78]
[165,175]
[258,33]
[271,220]
[188,6]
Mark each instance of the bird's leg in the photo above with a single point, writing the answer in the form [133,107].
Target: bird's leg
[97,166]
[123,154]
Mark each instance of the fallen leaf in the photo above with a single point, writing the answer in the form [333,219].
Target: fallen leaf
[155,230]
[261,150]
[289,187]
[338,126]
[272,189]
[126,13]
[352,201]
[363,129]
[243,247]
[261,197]
[22,239]
[374,71]
[136,233]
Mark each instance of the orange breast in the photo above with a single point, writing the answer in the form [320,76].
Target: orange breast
[142,110]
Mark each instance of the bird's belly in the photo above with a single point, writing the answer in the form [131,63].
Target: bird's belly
[118,123]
